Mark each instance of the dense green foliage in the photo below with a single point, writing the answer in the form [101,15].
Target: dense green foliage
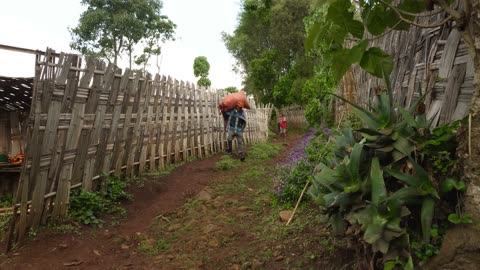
[109,28]
[380,186]
[387,183]
[231,89]
[5,201]
[347,27]
[268,45]
[87,207]
[201,67]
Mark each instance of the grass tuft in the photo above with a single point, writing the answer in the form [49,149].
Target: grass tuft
[227,163]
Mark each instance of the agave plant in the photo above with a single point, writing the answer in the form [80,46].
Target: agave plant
[367,188]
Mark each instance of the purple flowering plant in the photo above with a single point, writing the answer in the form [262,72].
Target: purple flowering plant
[296,169]
[293,173]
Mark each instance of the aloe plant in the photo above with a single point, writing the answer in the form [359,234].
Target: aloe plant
[367,187]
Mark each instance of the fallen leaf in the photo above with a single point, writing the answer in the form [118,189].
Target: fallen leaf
[73,263]
[97,252]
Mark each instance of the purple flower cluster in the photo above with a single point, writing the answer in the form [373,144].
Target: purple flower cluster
[293,159]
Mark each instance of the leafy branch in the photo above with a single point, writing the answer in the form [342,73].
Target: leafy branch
[400,12]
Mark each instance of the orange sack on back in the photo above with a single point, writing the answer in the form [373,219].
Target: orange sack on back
[229,101]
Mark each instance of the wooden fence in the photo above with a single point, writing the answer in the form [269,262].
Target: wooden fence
[433,61]
[88,118]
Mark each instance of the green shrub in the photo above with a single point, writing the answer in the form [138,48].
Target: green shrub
[86,207]
[293,174]
[290,183]
[6,200]
[382,183]
[114,189]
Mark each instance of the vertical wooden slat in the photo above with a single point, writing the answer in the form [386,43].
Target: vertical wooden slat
[115,104]
[71,144]
[183,114]
[169,133]
[448,55]
[201,120]
[49,145]
[126,86]
[452,90]
[154,123]
[145,125]
[133,138]
[106,105]
[177,123]
[162,125]
[31,156]
[16,136]
[188,120]
[194,122]
[103,88]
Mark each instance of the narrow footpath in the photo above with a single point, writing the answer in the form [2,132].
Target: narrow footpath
[196,217]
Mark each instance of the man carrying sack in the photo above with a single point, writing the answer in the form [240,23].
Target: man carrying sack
[234,118]
[236,125]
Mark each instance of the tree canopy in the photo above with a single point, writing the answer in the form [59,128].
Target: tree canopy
[268,45]
[109,28]
[201,67]
[267,42]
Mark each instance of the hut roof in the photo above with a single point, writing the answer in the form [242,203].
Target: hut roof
[15,93]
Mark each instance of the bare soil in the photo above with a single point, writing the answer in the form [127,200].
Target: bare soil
[196,217]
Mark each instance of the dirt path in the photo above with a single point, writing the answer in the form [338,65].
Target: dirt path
[50,250]
[194,218]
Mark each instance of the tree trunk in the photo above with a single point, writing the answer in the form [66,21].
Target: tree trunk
[472,164]
[461,245]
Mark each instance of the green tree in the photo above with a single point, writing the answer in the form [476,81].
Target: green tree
[109,28]
[231,89]
[267,43]
[154,38]
[201,67]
